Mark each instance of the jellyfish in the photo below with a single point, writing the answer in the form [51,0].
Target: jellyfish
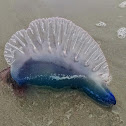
[56,53]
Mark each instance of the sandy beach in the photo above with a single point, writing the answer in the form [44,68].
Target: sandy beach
[42,107]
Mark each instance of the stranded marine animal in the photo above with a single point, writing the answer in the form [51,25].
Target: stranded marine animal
[55,52]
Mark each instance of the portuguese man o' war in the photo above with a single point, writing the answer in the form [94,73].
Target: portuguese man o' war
[54,52]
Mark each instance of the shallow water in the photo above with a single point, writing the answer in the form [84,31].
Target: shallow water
[43,107]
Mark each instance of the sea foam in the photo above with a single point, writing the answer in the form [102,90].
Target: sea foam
[121,33]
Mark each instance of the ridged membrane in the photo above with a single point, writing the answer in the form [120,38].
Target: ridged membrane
[58,38]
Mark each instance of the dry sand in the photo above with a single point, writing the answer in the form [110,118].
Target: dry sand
[43,107]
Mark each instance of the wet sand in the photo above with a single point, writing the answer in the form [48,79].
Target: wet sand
[42,107]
